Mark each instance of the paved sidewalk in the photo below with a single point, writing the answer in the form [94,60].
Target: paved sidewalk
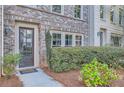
[38,79]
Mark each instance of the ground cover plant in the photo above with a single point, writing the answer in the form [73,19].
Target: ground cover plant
[96,74]
[9,64]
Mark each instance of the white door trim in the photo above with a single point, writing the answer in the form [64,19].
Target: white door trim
[36,41]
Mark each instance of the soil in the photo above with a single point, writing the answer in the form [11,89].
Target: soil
[13,81]
[120,82]
[68,79]
[71,78]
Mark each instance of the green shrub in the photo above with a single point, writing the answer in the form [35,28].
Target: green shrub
[64,59]
[48,46]
[97,74]
[9,63]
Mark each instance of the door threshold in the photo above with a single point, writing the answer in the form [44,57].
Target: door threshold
[24,68]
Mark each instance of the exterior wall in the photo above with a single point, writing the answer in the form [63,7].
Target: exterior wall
[45,20]
[0,30]
[0,33]
[104,24]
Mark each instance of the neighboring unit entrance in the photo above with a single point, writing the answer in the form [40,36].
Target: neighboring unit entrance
[26,46]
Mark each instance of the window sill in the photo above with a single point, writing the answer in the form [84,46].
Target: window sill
[56,46]
[68,45]
[113,23]
[120,25]
[102,19]
[58,13]
[77,18]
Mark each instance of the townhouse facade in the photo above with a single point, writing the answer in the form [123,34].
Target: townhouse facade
[25,27]
[0,37]
[69,26]
[106,25]
[0,31]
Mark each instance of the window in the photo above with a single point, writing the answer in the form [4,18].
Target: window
[78,40]
[116,41]
[101,11]
[33,6]
[112,14]
[68,40]
[101,38]
[77,11]
[120,16]
[56,42]
[57,8]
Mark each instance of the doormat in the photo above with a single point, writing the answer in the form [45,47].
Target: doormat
[28,71]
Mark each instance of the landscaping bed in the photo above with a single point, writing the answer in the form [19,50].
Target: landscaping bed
[71,78]
[13,81]
[98,66]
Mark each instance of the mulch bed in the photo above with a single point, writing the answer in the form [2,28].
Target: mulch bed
[120,82]
[71,78]
[11,82]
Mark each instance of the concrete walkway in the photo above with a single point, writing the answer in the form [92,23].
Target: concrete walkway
[38,79]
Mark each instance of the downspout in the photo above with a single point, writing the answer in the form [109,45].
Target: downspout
[123,27]
[1,65]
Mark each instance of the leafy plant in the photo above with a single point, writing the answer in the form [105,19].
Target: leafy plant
[9,63]
[97,74]
[64,59]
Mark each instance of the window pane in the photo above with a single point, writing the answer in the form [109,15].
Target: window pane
[56,8]
[56,39]
[78,40]
[116,41]
[120,16]
[101,11]
[112,14]
[77,11]
[68,40]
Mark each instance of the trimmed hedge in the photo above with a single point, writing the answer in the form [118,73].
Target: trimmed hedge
[64,59]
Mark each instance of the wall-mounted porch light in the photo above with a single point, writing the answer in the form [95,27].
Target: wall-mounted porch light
[7,29]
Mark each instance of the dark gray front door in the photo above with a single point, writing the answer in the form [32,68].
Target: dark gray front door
[26,43]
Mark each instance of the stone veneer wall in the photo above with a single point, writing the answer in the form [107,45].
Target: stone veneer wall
[0,33]
[0,30]
[42,16]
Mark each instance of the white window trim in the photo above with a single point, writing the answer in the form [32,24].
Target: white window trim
[52,40]
[71,40]
[62,10]
[121,17]
[114,16]
[56,32]
[104,13]
[78,40]
[120,41]
[68,33]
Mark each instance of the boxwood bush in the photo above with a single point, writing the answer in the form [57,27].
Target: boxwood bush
[64,59]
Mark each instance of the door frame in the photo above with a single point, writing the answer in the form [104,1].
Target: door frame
[32,42]
[36,42]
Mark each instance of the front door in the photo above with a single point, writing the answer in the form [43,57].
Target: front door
[26,46]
